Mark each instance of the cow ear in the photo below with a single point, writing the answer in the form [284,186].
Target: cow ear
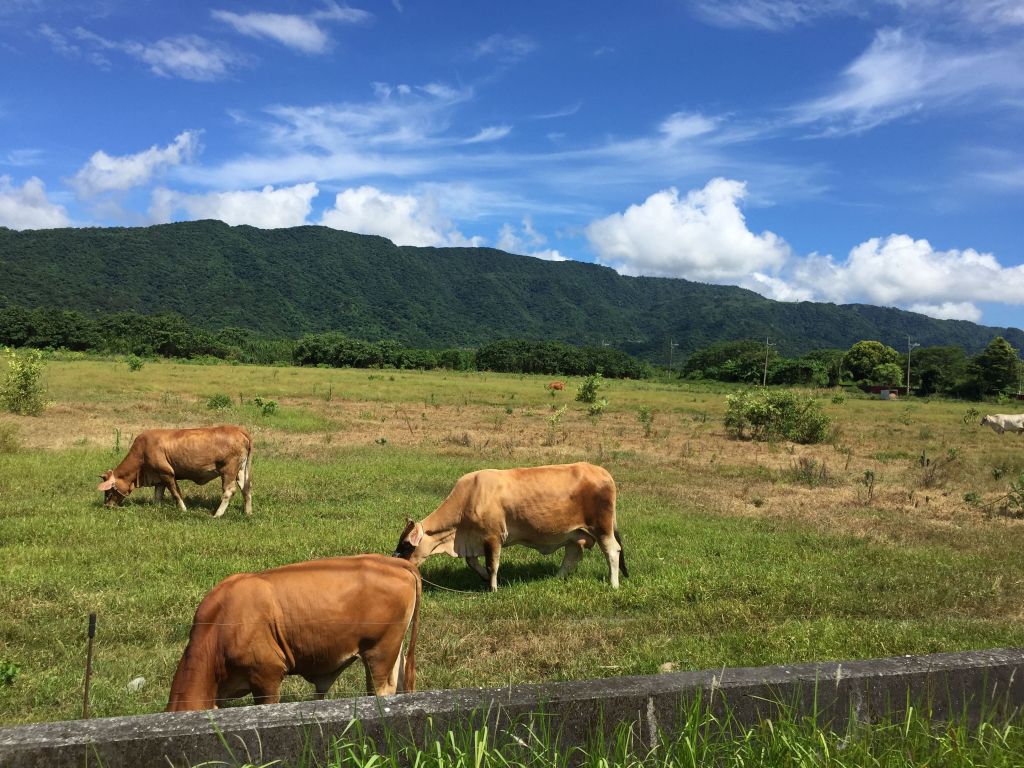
[106,485]
[416,534]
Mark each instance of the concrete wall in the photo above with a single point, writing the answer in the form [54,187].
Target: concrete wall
[977,683]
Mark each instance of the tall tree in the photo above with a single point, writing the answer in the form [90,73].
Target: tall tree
[997,367]
[864,357]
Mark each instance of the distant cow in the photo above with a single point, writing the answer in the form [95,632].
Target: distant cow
[545,508]
[311,619]
[559,385]
[1004,422]
[161,457]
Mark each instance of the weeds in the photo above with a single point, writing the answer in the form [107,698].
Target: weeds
[8,671]
[810,472]
[9,442]
[134,362]
[935,472]
[868,481]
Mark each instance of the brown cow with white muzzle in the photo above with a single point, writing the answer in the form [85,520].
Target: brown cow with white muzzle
[312,619]
[545,508]
[161,457]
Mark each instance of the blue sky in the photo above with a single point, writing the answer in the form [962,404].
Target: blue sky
[826,150]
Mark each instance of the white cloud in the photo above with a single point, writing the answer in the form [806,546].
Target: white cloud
[189,57]
[900,74]
[293,31]
[267,208]
[22,157]
[107,173]
[949,310]
[303,33]
[773,15]
[507,48]
[900,271]
[701,237]
[28,207]
[682,125]
[526,240]
[403,219]
[490,133]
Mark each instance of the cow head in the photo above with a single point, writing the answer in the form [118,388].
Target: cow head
[409,543]
[992,422]
[115,490]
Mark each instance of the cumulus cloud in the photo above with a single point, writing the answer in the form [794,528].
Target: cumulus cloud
[900,271]
[107,173]
[303,33]
[267,208]
[403,219]
[27,207]
[526,240]
[703,236]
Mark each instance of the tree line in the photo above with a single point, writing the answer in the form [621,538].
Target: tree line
[937,370]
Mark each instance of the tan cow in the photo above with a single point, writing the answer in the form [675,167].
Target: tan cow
[545,508]
[556,385]
[311,619]
[1004,422]
[161,457]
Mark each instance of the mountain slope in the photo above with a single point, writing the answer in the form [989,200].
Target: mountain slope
[286,282]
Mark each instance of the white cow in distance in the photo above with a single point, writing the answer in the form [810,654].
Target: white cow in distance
[1004,422]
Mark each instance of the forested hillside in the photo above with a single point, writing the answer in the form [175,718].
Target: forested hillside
[287,282]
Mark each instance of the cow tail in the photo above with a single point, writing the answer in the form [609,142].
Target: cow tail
[622,554]
[409,678]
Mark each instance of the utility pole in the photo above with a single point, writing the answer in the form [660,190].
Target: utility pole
[671,346]
[767,346]
[910,348]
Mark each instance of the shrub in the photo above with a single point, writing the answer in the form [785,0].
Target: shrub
[771,415]
[587,393]
[22,390]
[267,407]
[134,362]
[646,418]
[219,402]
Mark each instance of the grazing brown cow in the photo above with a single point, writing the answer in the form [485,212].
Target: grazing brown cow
[311,619]
[161,457]
[545,508]
[559,385]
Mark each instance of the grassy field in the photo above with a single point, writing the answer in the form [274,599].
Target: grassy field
[892,538]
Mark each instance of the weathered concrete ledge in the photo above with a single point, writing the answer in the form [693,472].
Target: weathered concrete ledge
[973,684]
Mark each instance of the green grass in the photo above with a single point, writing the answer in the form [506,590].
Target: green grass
[704,738]
[733,562]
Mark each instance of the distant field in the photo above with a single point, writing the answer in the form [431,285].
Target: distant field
[890,539]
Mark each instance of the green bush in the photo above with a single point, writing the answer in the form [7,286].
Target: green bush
[134,362]
[587,393]
[219,402]
[774,415]
[22,390]
[266,407]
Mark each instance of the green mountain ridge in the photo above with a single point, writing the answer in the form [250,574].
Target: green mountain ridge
[286,282]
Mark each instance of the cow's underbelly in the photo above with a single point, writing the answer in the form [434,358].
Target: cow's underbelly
[548,542]
[197,476]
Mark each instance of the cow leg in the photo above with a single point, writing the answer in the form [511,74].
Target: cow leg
[172,486]
[158,493]
[246,480]
[228,488]
[611,550]
[474,563]
[492,552]
[572,557]
[266,686]
[382,664]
